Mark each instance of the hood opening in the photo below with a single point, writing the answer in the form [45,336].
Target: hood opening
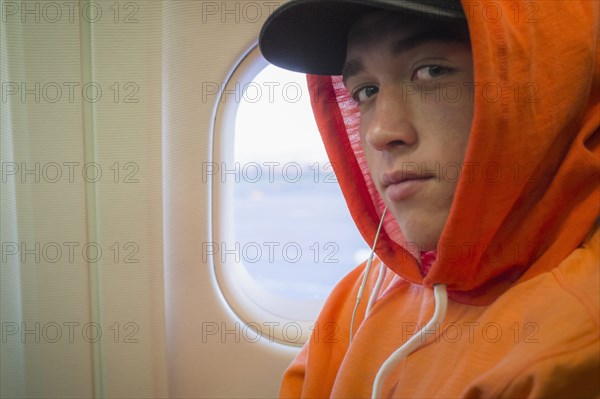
[542,134]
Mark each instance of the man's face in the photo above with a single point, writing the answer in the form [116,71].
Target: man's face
[413,84]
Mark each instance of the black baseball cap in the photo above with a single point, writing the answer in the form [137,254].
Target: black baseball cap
[310,36]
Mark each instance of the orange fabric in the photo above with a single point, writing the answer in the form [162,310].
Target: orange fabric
[523,281]
[539,340]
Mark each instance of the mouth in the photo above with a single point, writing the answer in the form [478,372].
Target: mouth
[401,185]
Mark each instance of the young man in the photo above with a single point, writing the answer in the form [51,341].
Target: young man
[466,140]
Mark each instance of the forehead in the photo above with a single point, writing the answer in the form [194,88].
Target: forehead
[402,32]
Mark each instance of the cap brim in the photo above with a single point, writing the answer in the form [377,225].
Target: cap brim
[310,36]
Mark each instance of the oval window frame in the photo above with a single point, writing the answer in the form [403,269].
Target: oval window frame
[251,303]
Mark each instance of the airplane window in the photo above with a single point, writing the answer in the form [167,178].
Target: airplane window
[282,235]
[294,233]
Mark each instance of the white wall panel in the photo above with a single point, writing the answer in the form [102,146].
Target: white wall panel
[149,293]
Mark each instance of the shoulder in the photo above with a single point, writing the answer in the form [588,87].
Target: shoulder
[552,321]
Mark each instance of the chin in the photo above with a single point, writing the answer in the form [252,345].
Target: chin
[420,230]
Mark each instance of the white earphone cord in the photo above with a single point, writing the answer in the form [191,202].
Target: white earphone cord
[366,274]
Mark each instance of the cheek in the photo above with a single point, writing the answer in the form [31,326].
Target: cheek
[374,160]
[445,131]
[457,141]
[368,152]
[460,115]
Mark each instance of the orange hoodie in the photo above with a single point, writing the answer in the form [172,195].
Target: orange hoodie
[520,252]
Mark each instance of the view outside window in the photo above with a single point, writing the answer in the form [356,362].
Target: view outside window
[293,231]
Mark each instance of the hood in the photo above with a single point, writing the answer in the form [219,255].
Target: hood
[528,193]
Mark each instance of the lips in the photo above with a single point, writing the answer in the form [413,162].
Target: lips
[401,185]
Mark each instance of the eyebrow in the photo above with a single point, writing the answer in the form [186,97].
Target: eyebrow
[354,67]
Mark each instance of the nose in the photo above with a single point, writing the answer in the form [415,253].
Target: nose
[389,123]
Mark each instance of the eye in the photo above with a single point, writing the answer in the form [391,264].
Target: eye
[429,72]
[363,93]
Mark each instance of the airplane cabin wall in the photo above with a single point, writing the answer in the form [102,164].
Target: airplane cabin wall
[151,296]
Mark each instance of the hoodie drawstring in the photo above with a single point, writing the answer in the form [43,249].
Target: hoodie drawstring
[441,304]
